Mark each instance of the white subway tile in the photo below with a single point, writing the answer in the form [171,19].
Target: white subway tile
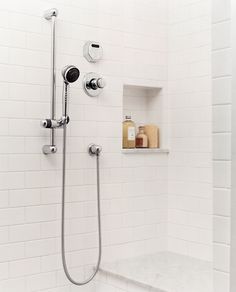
[221,90]
[24,197]
[222,202]
[17,73]
[221,281]
[222,146]
[221,174]
[221,257]
[24,232]
[12,216]
[50,263]
[221,229]
[41,281]
[13,285]
[50,229]
[221,10]
[20,21]
[4,199]
[4,271]
[24,267]
[29,58]
[222,118]
[40,213]
[11,252]
[221,35]
[40,247]
[221,63]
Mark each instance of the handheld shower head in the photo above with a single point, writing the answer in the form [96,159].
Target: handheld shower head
[70,74]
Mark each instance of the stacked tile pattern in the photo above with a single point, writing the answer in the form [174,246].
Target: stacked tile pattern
[221,67]
[190,116]
[134,188]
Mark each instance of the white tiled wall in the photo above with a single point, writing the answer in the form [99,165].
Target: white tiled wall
[134,188]
[221,66]
[233,157]
[148,201]
[190,108]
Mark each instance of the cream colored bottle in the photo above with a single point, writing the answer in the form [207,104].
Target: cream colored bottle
[152,132]
[128,133]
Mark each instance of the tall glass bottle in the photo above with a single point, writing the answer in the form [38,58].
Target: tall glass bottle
[128,133]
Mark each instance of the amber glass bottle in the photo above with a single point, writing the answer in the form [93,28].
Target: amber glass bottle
[141,139]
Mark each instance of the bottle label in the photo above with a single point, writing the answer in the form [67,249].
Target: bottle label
[139,142]
[131,134]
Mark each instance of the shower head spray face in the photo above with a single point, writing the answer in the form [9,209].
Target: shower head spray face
[70,74]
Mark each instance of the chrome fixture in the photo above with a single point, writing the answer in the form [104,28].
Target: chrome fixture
[52,14]
[93,84]
[52,124]
[92,51]
[48,14]
[70,74]
[94,150]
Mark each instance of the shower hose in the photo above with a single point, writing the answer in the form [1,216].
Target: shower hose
[63,252]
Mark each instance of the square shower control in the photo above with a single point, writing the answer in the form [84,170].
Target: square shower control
[93,51]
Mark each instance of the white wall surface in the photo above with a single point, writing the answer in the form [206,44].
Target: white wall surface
[147,42]
[134,188]
[190,108]
[233,170]
[221,87]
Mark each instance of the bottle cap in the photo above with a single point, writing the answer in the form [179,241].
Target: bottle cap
[141,128]
[128,117]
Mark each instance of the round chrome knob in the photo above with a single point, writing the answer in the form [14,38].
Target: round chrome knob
[101,82]
[96,83]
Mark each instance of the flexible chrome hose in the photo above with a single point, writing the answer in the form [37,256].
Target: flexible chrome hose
[63,253]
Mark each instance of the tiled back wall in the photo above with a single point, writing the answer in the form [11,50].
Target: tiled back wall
[141,40]
[134,188]
[190,116]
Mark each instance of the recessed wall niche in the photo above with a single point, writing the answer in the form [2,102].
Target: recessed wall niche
[146,105]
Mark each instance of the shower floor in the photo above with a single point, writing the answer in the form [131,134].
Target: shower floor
[164,272]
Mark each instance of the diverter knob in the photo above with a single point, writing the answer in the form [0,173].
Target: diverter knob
[93,84]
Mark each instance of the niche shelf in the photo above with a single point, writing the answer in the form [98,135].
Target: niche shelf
[146,105]
[145,150]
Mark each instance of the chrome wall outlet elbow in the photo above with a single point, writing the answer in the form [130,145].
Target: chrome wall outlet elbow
[94,149]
